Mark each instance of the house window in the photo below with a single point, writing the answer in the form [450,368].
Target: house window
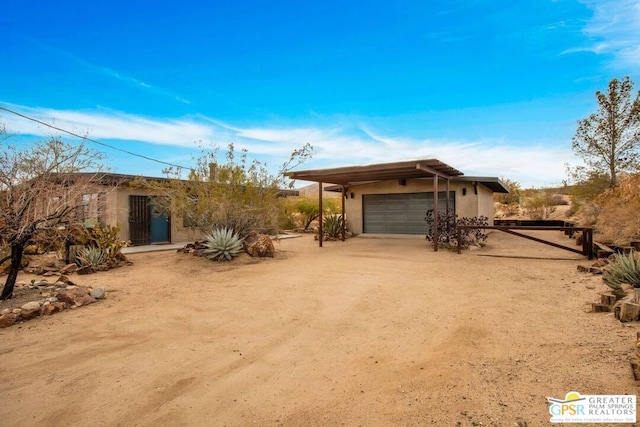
[92,209]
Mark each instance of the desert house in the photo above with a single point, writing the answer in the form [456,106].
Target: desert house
[393,198]
[118,199]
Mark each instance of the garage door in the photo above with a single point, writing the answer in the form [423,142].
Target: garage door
[400,213]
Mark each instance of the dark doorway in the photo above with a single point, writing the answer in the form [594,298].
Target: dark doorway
[147,225]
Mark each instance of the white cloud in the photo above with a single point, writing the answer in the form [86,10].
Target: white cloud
[335,146]
[614,29]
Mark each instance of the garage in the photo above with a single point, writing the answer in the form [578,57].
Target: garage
[400,213]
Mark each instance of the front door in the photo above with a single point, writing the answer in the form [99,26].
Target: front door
[159,228]
[147,224]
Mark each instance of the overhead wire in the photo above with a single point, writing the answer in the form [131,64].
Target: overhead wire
[142,156]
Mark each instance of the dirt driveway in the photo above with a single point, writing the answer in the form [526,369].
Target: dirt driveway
[367,332]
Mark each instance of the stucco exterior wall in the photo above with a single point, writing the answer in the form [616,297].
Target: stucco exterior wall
[117,213]
[468,204]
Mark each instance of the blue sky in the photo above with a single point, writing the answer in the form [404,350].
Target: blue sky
[494,88]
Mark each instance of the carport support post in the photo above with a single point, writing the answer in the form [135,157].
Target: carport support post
[344,220]
[435,213]
[320,230]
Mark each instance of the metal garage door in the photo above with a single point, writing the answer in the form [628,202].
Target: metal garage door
[400,213]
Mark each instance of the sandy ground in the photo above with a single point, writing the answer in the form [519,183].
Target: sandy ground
[370,332]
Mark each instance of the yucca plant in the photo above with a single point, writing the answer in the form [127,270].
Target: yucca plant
[223,245]
[92,257]
[624,268]
[332,225]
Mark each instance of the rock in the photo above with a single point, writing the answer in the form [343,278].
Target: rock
[75,296]
[52,308]
[258,245]
[42,283]
[50,273]
[34,269]
[16,311]
[64,279]
[5,311]
[30,310]
[87,269]
[98,293]
[30,306]
[68,269]
[8,319]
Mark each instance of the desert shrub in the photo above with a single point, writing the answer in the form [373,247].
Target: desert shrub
[511,209]
[223,245]
[105,237]
[91,257]
[538,205]
[557,200]
[306,209]
[332,225]
[448,229]
[616,216]
[512,197]
[624,268]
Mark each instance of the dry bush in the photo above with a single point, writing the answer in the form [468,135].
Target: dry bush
[538,204]
[618,221]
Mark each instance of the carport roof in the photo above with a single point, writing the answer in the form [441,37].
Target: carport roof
[350,175]
[426,168]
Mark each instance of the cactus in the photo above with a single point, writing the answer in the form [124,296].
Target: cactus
[222,244]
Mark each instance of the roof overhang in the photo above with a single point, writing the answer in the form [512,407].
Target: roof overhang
[352,175]
[492,183]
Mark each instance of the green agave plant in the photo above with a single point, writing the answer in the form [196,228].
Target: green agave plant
[624,268]
[332,225]
[223,245]
[91,257]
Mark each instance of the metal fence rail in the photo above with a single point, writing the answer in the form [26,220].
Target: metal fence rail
[587,235]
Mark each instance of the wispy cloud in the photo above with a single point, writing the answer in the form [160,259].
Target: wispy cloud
[334,145]
[613,29]
[108,72]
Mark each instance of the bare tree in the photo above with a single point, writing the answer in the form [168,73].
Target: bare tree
[39,193]
[609,140]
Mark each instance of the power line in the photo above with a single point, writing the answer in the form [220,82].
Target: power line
[142,156]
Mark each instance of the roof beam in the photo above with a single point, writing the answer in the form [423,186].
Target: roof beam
[422,167]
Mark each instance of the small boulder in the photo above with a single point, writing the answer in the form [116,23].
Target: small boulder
[75,296]
[30,310]
[87,269]
[30,306]
[98,293]
[8,319]
[258,245]
[52,307]
[68,269]
[34,269]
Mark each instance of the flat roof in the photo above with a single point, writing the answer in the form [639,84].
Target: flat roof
[411,169]
[350,175]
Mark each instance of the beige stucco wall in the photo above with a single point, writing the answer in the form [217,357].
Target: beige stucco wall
[468,205]
[117,213]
